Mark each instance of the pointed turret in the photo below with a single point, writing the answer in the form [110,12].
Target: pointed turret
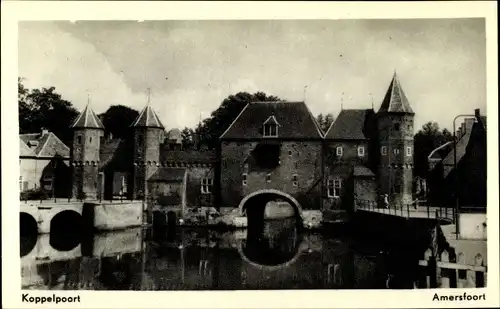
[395,100]
[88,120]
[148,119]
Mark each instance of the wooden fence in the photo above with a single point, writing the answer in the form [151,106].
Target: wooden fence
[451,271]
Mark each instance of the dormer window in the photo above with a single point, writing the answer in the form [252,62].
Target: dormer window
[271,127]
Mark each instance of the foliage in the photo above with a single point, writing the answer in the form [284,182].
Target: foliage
[426,140]
[45,109]
[212,128]
[325,121]
[188,138]
[34,194]
[117,120]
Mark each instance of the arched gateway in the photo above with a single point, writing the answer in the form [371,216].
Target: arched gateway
[265,195]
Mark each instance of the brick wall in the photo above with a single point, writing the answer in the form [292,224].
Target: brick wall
[299,158]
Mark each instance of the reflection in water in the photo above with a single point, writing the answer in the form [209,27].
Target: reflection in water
[277,257]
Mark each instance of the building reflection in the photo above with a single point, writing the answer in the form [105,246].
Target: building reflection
[280,257]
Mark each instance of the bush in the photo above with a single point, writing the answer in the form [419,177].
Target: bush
[34,194]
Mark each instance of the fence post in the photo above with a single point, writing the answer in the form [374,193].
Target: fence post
[462,274]
[445,273]
[427,272]
[452,273]
[479,274]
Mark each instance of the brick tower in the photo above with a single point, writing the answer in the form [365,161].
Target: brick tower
[395,129]
[87,132]
[148,137]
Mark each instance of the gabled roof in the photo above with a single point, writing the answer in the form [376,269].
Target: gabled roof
[350,125]
[461,145]
[271,120]
[42,145]
[87,119]
[175,135]
[395,100]
[294,118]
[24,150]
[148,118]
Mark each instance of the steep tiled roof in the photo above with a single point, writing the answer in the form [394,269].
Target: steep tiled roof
[340,170]
[395,100]
[24,150]
[108,150]
[43,145]
[87,119]
[148,118]
[171,174]
[461,146]
[187,156]
[362,171]
[294,121]
[349,124]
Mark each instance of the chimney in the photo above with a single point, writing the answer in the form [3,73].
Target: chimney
[477,113]
[110,136]
[44,131]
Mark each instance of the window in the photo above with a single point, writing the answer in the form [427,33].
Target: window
[244,179]
[245,168]
[295,180]
[289,153]
[339,151]
[270,127]
[361,151]
[396,127]
[334,187]
[79,139]
[270,130]
[268,177]
[408,151]
[206,185]
[396,150]
[90,139]
[124,184]
[383,150]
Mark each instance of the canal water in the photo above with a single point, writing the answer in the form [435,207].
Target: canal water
[278,256]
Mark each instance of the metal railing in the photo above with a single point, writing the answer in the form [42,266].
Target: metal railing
[408,210]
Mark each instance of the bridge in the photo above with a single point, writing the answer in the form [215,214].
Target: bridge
[43,217]
[409,211]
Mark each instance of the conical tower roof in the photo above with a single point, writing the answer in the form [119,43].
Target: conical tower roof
[148,118]
[87,119]
[395,100]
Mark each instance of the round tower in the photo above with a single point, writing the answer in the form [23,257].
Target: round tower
[85,153]
[395,131]
[148,137]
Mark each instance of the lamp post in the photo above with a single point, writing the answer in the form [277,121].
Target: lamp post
[457,199]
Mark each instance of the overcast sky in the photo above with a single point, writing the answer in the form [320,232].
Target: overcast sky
[191,66]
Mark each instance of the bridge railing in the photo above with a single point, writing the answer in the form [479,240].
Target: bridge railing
[413,209]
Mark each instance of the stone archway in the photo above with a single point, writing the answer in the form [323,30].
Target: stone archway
[271,192]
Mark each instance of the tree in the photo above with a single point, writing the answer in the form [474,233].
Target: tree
[324,121]
[426,140]
[45,109]
[212,128]
[188,138]
[117,120]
